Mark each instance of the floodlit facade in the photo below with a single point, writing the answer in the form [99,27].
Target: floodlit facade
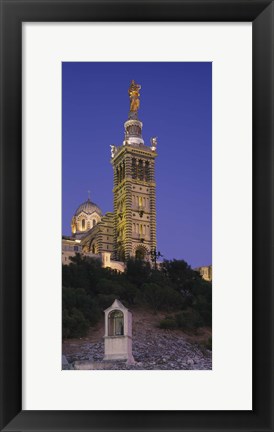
[130,230]
[205,272]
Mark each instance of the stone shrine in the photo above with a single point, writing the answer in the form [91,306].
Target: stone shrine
[118,333]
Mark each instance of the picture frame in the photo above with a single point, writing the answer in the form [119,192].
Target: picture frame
[13,14]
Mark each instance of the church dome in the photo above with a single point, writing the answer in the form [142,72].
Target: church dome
[88,207]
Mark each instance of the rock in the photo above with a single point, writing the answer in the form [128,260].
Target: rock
[64,360]
[152,350]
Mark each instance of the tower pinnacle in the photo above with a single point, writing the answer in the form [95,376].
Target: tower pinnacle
[134,94]
[133,126]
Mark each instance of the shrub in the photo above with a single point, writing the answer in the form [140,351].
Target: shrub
[161,297]
[74,324]
[105,300]
[168,324]
[208,344]
[203,304]
[175,287]
[83,302]
[153,295]
[189,319]
[137,272]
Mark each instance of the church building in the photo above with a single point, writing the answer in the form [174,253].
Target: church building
[130,230]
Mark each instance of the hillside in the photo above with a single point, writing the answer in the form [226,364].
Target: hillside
[153,348]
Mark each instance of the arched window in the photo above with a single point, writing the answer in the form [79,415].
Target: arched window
[116,323]
[121,254]
[123,170]
[133,169]
[147,171]
[93,222]
[140,170]
[117,175]
[120,173]
[83,224]
[140,253]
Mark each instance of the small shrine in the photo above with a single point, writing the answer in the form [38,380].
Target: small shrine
[118,333]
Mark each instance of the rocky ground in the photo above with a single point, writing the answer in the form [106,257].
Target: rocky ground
[153,348]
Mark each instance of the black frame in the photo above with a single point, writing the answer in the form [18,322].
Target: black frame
[13,13]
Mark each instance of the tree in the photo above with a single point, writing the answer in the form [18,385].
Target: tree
[180,274]
[74,323]
[137,271]
[88,289]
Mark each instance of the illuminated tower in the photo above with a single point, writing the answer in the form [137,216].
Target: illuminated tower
[134,188]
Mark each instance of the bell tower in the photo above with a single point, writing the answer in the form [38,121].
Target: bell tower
[134,188]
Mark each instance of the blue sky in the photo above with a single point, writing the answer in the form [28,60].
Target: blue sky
[176,106]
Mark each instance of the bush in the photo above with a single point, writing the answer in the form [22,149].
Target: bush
[88,289]
[137,272]
[74,324]
[79,299]
[203,304]
[105,300]
[168,324]
[189,319]
[161,297]
[153,295]
[208,344]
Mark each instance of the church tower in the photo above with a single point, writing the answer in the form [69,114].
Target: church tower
[134,188]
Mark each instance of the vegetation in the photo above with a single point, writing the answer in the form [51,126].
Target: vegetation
[206,345]
[88,289]
[168,323]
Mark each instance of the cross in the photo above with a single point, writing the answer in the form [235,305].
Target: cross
[89,194]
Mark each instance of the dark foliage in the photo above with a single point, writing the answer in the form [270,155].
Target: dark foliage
[168,324]
[88,289]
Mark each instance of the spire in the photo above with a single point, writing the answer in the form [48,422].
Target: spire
[88,195]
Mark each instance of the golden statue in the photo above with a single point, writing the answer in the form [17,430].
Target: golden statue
[134,94]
